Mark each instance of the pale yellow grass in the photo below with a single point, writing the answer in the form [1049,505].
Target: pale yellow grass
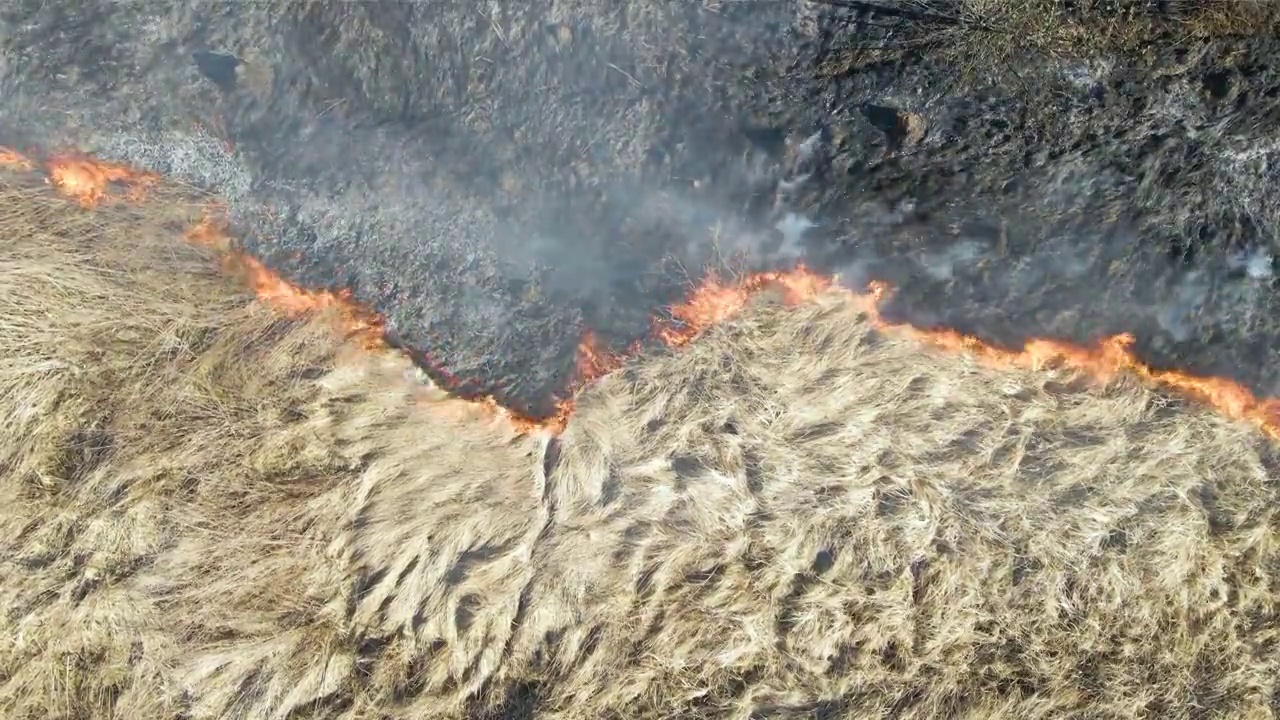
[209,512]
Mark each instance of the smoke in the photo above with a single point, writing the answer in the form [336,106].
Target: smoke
[498,178]
[495,180]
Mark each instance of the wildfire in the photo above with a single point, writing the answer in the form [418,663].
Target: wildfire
[14,160]
[359,324]
[87,180]
[211,230]
[713,301]
[594,360]
[1103,361]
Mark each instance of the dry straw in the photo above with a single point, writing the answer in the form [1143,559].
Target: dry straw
[209,512]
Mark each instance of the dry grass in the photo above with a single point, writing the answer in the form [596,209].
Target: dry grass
[986,39]
[1104,26]
[208,513]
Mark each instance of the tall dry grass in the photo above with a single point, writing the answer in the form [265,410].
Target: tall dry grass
[210,512]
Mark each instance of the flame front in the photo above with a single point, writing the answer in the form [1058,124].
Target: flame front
[87,180]
[359,324]
[1103,361]
[15,160]
[715,301]
[711,302]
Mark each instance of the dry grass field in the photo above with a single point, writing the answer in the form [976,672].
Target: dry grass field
[992,38]
[207,511]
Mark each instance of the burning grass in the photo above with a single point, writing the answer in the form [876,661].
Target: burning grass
[211,511]
[714,301]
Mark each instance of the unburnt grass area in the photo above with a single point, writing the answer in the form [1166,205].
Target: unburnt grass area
[209,512]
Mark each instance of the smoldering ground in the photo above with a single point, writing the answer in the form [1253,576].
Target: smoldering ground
[494,178]
[207,511]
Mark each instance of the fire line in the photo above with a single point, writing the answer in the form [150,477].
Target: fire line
[90,182]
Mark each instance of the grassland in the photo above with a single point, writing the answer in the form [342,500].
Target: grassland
[997,40]
[208,511]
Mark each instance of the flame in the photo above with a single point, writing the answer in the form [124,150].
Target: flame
[715,301]
[87,180]
[594,359]
[359,324]
[12,159]
[211,230]
[712,302]
[1103,361]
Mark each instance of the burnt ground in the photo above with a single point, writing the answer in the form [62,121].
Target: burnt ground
[494,177]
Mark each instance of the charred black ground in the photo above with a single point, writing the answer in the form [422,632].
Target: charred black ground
[497,177]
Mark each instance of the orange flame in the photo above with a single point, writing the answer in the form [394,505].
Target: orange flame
[12,159]
[87,180]
[715,301]
[712,302]
[210,231]
[361,325]
[358,323]
[1104,361]
[594,360]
